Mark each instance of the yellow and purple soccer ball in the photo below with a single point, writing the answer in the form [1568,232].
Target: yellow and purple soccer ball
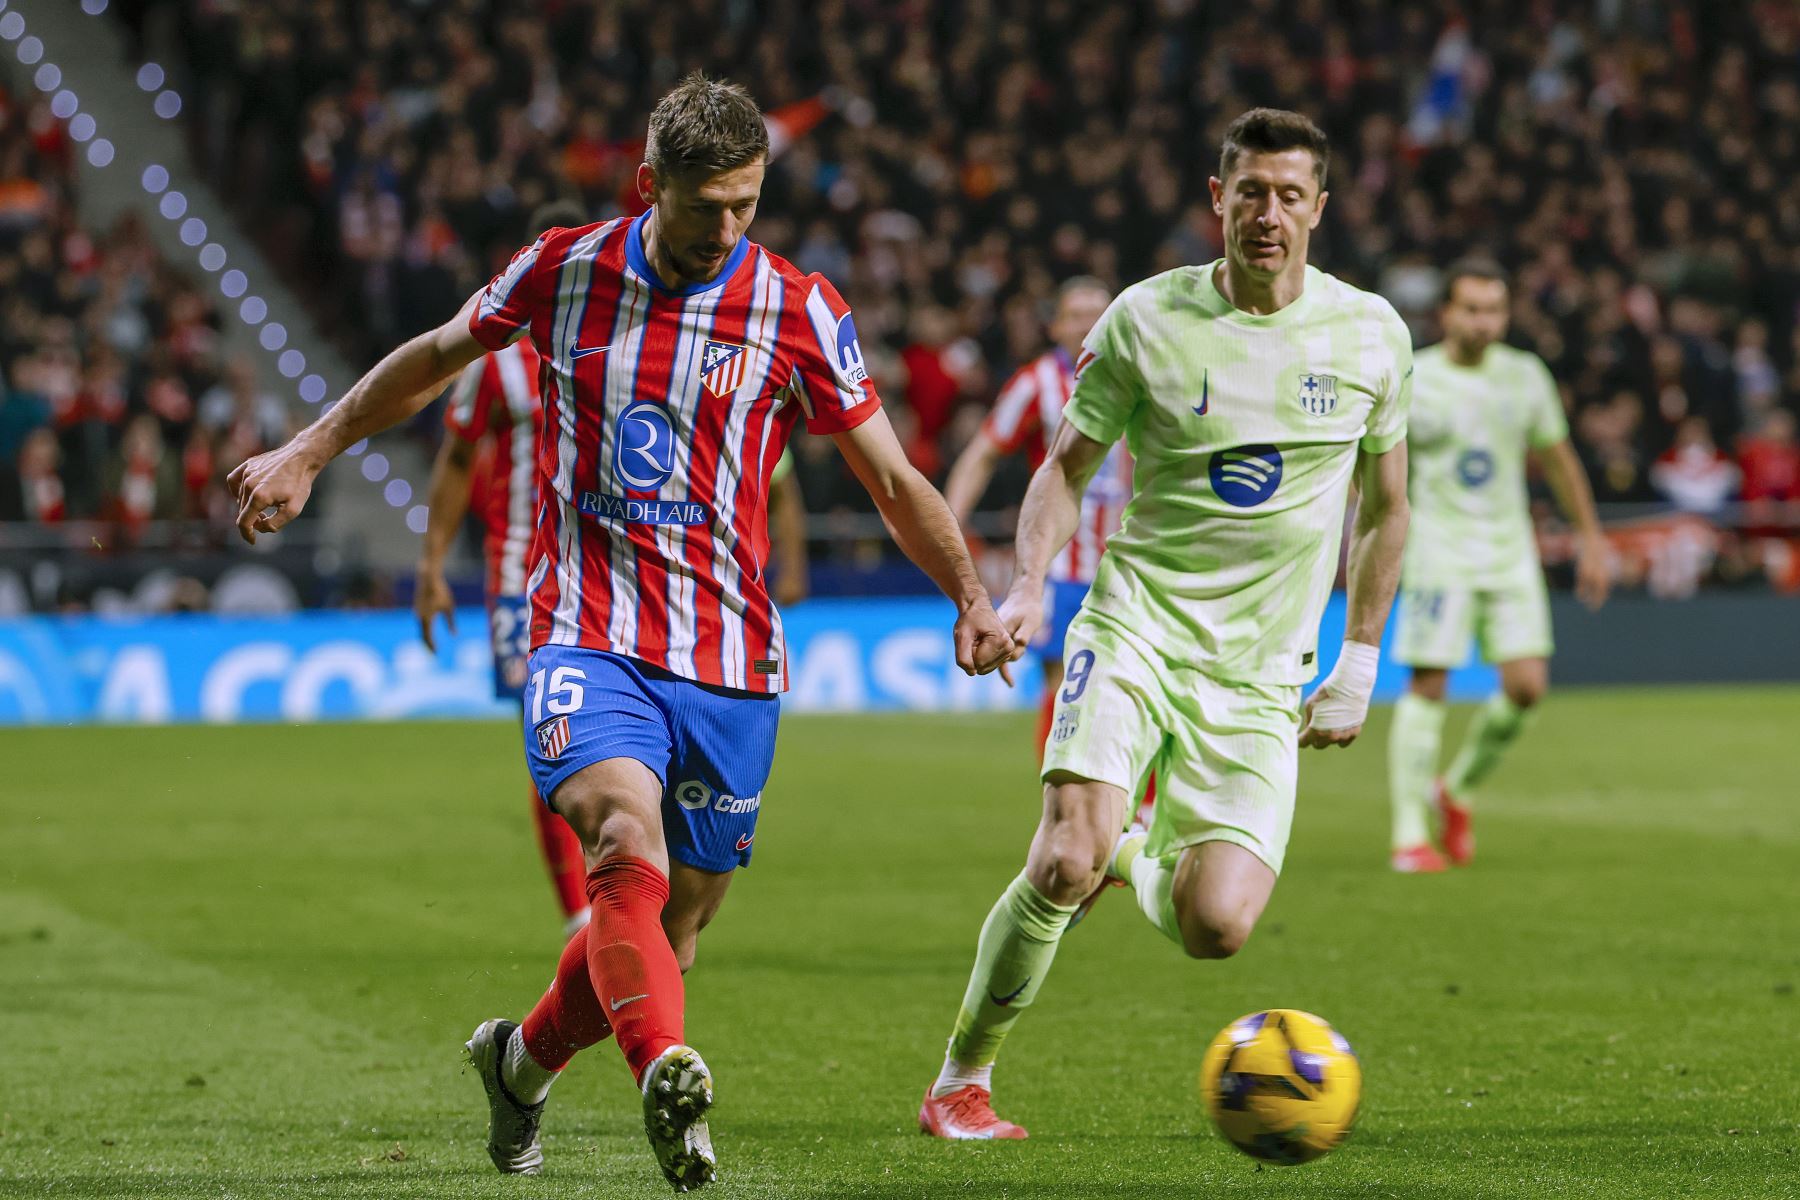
[1281,1085]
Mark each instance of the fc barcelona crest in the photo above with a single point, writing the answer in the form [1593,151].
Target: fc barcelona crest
[1318,394]
[722,368]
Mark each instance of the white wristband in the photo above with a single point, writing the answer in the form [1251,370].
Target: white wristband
[1344,696]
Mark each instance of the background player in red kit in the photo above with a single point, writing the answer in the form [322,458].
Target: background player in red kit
[488,461]
[1024,420]
[678,357]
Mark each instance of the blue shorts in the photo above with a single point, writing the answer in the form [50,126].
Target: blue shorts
[509,631]
[1062,600]
[711,747]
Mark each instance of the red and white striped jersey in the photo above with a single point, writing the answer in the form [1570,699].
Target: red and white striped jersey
[1024,419]
[496,399]
[665,411]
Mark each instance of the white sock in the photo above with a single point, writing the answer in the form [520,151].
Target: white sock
[955,1076]
[523,1077]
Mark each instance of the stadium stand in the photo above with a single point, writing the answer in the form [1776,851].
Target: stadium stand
[116,409]
[1634,165]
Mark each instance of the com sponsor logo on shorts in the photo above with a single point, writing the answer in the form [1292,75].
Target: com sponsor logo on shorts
[694,795]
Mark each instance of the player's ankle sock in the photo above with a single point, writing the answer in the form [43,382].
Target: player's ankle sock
[562,856]
[1046,718]
[525,1077]
[954,1076]
[1018,944]
[1413,742]
[567,1019]
[1496,726]
[1153,882]
[630,960]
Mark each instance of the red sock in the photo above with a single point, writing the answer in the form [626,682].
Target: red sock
[562,854]
[569,1017]
[630,960]
[1046,716]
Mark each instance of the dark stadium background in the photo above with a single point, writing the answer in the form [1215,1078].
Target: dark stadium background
[1633,163]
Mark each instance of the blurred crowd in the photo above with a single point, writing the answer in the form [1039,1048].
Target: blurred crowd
[115,404]
[1635,163]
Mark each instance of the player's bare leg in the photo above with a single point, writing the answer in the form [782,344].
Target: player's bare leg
[1053,675]
[694,899]
[1523,682]
[1218,893]
[1414,739]
[1067,861]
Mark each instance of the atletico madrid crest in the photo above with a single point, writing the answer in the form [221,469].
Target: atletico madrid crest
[722,368]
[553,737]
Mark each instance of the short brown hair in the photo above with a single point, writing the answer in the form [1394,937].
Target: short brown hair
[1270,131]
[1472,267]
[703,127]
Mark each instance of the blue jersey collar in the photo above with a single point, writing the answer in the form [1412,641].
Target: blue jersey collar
[634,257]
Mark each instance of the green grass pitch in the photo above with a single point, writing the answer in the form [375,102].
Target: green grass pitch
[240,962]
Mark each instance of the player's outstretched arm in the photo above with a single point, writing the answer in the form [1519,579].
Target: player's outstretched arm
[1569,482]
[452,476]
[271,489]
[969,475]
[1047,521]
[1335,713]
[923,526]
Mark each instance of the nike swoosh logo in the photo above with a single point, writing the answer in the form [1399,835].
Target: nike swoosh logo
[1007,999]
[616,1005]
[581,352]
[1205,388]
[743,843]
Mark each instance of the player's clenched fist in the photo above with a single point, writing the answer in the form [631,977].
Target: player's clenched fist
[272,488]
[1334,715]
[1022,614]
[982,643]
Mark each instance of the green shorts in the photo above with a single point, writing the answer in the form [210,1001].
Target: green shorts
[1435,624]
[1224,753]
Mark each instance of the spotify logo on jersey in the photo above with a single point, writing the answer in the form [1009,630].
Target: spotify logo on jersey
[644,448]
[1475,467]
[1245,476]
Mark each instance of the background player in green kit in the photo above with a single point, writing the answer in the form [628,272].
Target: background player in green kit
[1479,406]
[1253,394]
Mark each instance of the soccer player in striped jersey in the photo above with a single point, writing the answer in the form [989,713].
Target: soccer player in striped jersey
[489,452]
[1023,421]
[1480,407]
[677,358]
[1254,393]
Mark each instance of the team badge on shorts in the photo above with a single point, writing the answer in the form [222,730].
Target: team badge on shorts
[553,737]
[1068,720]
[1318,394]
[722,368]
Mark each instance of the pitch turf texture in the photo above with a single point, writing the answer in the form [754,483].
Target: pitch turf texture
[241,962]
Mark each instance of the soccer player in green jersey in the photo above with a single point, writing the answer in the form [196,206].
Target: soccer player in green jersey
[1254,394]
[1479,408]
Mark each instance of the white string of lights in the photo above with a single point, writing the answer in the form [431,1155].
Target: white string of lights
[232,282]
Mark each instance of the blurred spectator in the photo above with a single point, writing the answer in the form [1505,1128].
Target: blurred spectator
[1634,165]
[103,348]
[1770,461]
[38,494]
[1692,474]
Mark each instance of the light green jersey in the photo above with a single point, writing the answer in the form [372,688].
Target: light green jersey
[1245,431]
[1471,428]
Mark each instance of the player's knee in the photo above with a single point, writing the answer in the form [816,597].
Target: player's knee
[1525,693]
[1071,866]
[608,828]
[1205,935]
[1429,684]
